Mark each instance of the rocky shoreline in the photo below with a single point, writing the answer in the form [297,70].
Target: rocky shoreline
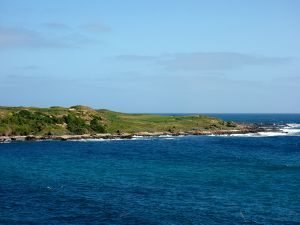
[244,130]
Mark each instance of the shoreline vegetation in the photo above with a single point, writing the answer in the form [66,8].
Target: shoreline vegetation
[81,122]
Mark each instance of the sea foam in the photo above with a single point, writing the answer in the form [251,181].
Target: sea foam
[292,129]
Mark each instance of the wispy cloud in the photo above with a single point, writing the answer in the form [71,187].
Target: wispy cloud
[61,36]
[56,26]
[289,80]
[207,61]
[95,27]
[20,37]
[217,61]
[28,67]
[136,58]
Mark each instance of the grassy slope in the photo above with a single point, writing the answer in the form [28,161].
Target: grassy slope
[80,119]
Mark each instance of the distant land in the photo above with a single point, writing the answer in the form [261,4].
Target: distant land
[32,123]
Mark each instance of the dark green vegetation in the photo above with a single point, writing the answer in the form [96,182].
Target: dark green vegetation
[84,120]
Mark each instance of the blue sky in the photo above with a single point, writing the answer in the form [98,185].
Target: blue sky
[151,56]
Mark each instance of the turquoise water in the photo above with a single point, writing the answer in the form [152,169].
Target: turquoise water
[181,180]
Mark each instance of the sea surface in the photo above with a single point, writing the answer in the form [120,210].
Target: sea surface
[165,180]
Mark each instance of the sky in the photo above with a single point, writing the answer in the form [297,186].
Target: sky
[214,56]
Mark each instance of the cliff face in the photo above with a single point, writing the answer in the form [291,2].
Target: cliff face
[78,120]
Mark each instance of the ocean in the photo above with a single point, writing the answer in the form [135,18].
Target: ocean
[245,179]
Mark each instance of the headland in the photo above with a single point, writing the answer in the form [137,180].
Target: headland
[81,122]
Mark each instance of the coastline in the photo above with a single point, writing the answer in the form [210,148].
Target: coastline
[244,130]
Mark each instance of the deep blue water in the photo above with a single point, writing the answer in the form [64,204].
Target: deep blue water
[265,118]
[185,180]
[259,118]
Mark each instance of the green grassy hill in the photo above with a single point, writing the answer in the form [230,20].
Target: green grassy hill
[84,120]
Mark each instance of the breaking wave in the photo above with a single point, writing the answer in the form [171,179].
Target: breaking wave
[292,129]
